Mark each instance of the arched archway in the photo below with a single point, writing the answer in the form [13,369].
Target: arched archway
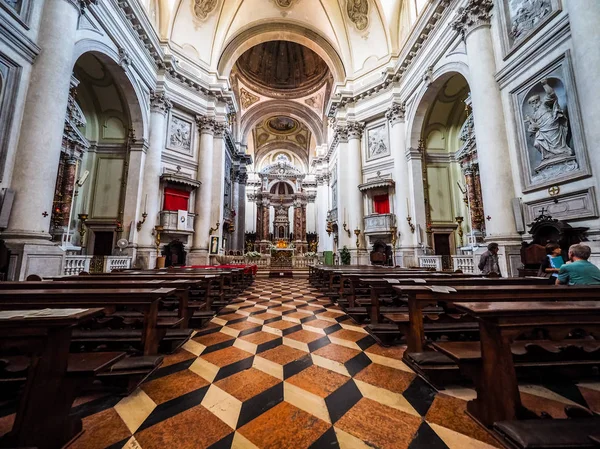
[132,93]
[256,34]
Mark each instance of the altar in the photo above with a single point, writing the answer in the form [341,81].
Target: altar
[281,255]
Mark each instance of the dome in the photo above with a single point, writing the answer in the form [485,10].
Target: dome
[283,66]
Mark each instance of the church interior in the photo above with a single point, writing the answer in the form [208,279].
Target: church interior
[301,224]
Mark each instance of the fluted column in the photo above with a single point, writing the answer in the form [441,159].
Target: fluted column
[202,223]
[490,130]
[38,150]
[584,16]
[159,107]
[396,116]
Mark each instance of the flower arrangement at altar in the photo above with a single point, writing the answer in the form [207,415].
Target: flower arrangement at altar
[311,255]
[253,255]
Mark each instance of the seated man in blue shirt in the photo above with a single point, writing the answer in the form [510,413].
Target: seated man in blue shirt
[579,271]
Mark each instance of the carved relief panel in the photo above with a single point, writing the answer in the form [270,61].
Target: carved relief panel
[201,9]
[358,14]
[521,19]
[180,134]
[9,77]
[20,9]
[552,145]
[377,143]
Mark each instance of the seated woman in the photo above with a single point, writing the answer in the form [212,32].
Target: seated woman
[552,262]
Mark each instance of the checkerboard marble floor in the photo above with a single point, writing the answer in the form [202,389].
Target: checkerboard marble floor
[283,367]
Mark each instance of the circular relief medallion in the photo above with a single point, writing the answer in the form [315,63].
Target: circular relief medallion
[282,125]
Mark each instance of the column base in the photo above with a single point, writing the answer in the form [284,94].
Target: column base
[40,257]
[359,256]
[145,257]
[406,256]
[198,257]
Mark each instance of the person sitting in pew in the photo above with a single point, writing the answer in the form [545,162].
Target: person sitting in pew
[579,271]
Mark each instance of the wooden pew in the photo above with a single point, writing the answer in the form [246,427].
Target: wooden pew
[419,297]
[182,286]
[500,324]
[43,414]
[145,301]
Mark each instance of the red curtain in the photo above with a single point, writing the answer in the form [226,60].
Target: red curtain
[176,199]
[382,204]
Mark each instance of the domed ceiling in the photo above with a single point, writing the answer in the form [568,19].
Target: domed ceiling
[284,67]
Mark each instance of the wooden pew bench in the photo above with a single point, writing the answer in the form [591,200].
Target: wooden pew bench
[143,301]
[492,368]
[52,377]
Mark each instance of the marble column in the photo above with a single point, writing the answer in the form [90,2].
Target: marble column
[343,193]
[202,200]
[323,192]
[216,202]
[584,16]
[67,188]
[353,177]
[134,203]
[38,150]
[240,225]
[159,107]
[396,116]
[490,130]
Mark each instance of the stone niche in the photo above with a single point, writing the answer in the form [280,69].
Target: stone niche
[551,144]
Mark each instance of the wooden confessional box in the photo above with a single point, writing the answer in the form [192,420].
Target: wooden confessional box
[546,230]
[174,254]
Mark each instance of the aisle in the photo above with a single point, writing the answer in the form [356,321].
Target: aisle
[284,368]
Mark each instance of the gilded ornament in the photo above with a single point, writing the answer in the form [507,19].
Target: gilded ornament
[247,98]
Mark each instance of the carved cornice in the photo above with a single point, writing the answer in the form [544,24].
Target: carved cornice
[81,5]
[206,125]
[355,130]
[396,113]
[477,13]
[323,179]
[159,102]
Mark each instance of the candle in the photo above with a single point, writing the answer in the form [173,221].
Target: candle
[407,207]
[146,204]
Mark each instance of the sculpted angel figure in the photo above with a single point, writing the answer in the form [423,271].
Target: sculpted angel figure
[549,125]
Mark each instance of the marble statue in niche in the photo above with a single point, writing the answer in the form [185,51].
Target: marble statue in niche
[525,15]
[180,134]
[203,8]
[377,142]
[548,130]
[358,13]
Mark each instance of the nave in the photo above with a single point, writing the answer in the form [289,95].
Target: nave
[283,367]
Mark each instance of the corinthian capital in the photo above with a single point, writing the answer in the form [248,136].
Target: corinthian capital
[341,133]
[206,125]
[355,130]
[159,102]
[396,113]
[477,13]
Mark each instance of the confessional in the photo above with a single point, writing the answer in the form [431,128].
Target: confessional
[174,254]
[381,254]
[544,230]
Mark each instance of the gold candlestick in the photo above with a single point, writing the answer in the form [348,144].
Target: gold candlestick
[157,229]
[357,234]
[459,220]
[344,226]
